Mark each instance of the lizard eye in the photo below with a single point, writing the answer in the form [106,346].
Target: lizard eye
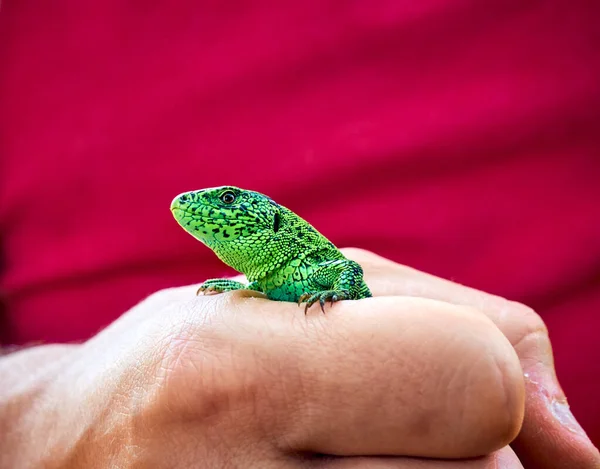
[228,197]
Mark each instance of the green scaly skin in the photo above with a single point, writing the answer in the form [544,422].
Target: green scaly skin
[281,254]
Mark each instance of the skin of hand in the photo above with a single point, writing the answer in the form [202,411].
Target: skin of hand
[424,369]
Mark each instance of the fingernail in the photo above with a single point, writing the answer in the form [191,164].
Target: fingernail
[560,410]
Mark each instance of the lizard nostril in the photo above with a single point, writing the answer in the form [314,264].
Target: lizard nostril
[183,198]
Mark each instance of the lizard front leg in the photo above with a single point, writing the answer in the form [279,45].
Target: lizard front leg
[341,280]
[220,285]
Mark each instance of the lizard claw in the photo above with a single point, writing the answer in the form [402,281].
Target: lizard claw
[302,298]
[322,297]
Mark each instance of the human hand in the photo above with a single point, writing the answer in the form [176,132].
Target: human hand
[235,380]
[550,437]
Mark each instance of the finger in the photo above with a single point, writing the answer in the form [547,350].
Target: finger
[550,437]
[502,459]
[380,376]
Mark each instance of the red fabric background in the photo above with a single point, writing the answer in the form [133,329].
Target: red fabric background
[460,137]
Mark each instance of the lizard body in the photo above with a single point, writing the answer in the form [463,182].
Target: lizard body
[281,254]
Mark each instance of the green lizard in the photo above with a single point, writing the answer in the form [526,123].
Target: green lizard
[281,254]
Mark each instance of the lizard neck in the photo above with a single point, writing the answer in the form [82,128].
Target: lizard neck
[294,239]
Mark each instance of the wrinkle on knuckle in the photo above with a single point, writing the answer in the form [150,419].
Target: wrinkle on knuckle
[531,336]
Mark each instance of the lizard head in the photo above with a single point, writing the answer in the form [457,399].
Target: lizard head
[236,224]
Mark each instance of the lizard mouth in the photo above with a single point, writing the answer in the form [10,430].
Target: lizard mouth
[186,216]
[181,212]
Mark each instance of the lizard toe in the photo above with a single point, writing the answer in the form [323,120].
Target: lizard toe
[322,297]
[322,300]
[303,298]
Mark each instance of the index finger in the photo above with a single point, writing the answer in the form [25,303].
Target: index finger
[379,376]
[550,436]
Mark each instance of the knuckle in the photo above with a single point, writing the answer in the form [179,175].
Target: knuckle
[530,325]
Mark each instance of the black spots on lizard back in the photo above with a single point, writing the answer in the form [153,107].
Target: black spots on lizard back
[276,222]
[304,231]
